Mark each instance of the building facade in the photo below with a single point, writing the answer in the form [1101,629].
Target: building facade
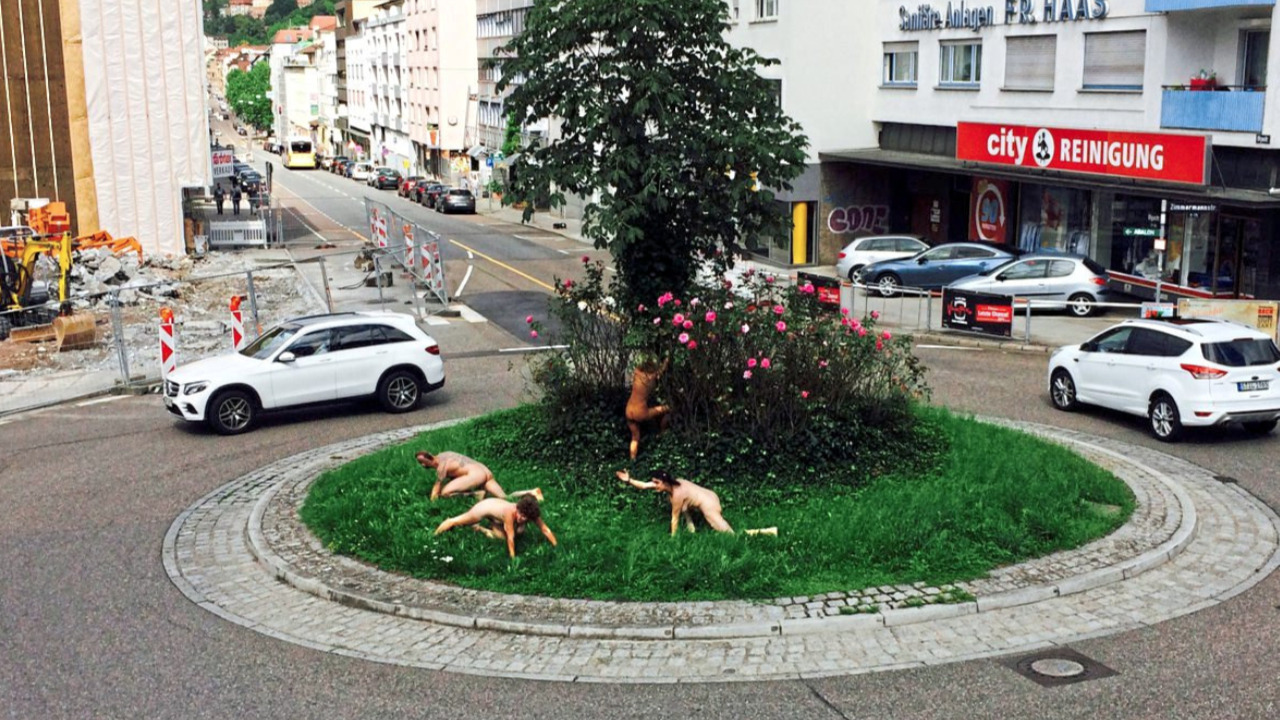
[1096,128]
[348,13]
[386,49]
[442,76]
[497,23]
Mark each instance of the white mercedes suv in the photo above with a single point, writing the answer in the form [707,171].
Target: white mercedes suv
[314,359]
[1184,372]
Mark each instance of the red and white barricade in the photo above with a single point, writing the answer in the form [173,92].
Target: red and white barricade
[168,358]
[237,323]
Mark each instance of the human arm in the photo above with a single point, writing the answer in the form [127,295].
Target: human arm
[675,516]
[625,477]
[546,531]
[509,525]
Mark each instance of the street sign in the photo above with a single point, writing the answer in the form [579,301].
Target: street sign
[1141,232]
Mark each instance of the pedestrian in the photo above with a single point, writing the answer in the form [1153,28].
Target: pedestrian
[255,200]
[219,196]
[505,520]
[235,201]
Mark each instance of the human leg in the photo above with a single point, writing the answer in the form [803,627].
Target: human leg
[536,492]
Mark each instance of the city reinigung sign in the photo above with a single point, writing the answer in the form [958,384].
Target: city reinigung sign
[1016,12]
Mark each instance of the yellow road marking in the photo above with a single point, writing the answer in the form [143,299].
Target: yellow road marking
[504,266]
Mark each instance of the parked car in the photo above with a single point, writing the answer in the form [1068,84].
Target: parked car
[1074,282]
[935,267]
[306,360]
[1177,373]
[456,200]
[340,166]
[242,130]
[384,178]
[432,192]
[406,185]
[329,162]
[874,248]
[251,182]
[418,188]
[360,171]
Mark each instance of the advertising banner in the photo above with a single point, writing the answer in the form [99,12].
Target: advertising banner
[977,312]
[826,288]
[224,162]
[1260,314]
[988,217]
[1164,157]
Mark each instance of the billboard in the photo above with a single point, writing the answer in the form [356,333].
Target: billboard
[977,312]
[1260,314]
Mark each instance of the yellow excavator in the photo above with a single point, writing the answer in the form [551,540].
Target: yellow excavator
[27,311]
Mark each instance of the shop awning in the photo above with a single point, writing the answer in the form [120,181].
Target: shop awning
[944,164]
[478,151]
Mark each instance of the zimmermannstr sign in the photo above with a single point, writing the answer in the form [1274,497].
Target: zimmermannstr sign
[1016,12]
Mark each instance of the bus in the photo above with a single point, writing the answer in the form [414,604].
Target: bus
[299,153]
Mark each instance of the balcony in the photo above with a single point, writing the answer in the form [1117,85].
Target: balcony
[1236,111]
[1176,5]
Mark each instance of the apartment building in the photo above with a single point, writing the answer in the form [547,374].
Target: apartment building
[348,13]
[441,85]
[1095,127]
[497,23]
[386,50]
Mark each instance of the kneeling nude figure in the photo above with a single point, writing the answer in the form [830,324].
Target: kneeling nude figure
[464,477]
[685,498]
[505,520]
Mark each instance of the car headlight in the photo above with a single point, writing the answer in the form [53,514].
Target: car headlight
[195,387]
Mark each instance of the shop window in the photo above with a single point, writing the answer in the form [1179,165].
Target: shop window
[1029,62]
[900,63]
[961,63]
[1055,219]
[1114,60]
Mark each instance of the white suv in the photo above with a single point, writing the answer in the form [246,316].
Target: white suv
[1184,372]
[315,359]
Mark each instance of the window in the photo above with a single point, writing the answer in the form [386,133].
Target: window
[900,63]
[314,343]
[1029,62]
[733,10]
[965,252]
[1115,60]
[961,64]
[910,245]
[1063,268]
[1026,270]
[767,9]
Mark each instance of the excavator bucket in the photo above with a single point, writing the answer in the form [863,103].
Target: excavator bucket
[79,330]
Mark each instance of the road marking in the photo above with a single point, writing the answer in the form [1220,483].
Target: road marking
[532,349]
[948,347]
[98,401]
[504,266]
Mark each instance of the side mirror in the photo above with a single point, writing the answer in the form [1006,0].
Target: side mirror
[1090,346]
[286,357]
[921,261]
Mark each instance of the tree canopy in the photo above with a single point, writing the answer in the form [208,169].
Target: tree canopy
[247,94]
[670,132]
[248,30]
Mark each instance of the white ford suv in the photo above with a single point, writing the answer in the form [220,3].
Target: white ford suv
[315,359]
[1184,372]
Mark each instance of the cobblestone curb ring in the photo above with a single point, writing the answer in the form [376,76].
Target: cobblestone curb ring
[1192,542]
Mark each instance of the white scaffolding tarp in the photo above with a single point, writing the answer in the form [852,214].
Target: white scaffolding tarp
[148,125]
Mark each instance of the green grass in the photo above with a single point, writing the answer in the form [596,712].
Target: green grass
[998,497]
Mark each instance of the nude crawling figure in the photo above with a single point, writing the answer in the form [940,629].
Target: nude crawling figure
[457,474]
[685,498]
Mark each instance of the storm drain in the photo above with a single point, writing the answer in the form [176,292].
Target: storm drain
[1058,666]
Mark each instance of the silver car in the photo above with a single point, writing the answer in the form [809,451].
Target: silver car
[1073,282]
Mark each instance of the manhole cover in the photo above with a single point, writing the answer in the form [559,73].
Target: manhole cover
[1058,666]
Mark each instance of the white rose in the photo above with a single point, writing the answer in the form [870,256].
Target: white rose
[582,304]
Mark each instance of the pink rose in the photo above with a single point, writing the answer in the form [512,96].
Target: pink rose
[677,302]
[807,288]
[782,327]
[641,308]
[844,311]
[711,316]
[694,302]
[568,284]
[778,310]
[886,335]
[533,334]
[746,329]
[585,259]
[751,362]
[688,324]
[657,320]
[683,338]
[528,318]
[693,344]
[822,363]
[746,375]
[663,299]
[875,314]
[769,279]
[765,363]
[804,393]
[879,345]
[862,332]
[678,319]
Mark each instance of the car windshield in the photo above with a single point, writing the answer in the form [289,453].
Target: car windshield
[270,341]
[1242,352]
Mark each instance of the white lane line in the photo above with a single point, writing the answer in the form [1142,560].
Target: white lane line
[98,401]
[948,347]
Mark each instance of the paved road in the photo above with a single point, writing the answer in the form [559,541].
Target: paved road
[91,627]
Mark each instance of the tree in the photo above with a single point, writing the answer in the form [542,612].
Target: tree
[670,128]
[247,94]
[279,10]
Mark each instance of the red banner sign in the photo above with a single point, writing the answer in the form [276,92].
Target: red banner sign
[988,215]
[1164,157]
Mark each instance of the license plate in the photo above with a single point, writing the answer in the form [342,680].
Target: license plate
[1252,385]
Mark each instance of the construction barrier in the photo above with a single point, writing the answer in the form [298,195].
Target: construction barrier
[237,323]
[237,234]
[168,360]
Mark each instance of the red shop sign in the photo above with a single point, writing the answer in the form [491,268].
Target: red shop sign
[1164,157]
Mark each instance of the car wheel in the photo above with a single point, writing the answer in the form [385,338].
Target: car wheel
[399,391]
[1062,390]
[231,412]
[1261,427]
[853,272]
[1166,422]
[888,285]
[1081,305]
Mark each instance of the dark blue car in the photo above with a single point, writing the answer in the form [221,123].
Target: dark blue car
[935,267]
